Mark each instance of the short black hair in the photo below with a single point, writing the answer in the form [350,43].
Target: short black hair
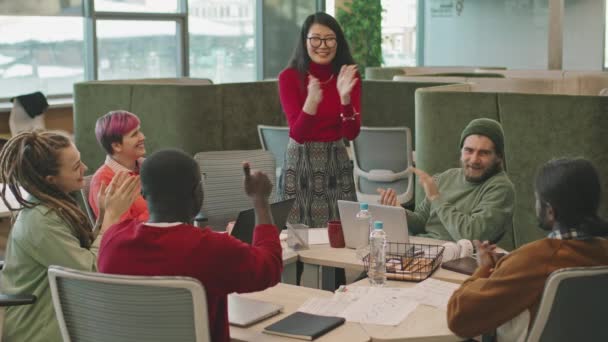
[572,187]
[169,177]
[300,59]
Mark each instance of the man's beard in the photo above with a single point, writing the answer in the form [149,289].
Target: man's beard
[541,217]
[489,172]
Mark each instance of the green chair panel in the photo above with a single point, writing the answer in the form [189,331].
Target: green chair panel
[92,100]
[541,127]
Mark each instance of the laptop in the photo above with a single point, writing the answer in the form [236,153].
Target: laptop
[245,222]
[244,312]
[393,218]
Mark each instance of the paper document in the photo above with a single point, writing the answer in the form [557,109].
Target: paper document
[364,304]
[435,292]
[318,236]
[324,306]
[378,308]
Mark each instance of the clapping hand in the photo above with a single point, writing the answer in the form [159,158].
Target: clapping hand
[347,78]
[315,93]
[486,257]
[428,183]
[120,194]
[388,197]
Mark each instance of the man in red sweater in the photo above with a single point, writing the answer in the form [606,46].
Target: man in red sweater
[169,245]
[505,295]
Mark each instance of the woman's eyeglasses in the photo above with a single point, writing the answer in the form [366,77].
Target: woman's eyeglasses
[317,41]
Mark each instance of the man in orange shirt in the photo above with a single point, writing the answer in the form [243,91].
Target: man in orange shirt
[505,295]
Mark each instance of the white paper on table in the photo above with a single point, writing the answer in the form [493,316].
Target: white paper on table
[365,304]
[379,308]
[435,292]
[325,306]
[318,236]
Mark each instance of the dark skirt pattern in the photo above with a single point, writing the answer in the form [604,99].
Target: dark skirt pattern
[317,174]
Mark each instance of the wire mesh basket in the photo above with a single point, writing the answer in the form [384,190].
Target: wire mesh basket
[409,261]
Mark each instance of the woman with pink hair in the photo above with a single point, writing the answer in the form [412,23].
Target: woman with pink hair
[118,133]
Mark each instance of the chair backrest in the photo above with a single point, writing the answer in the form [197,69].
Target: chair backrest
[85,198]
[222,174]
[275,140]
[102,307]
[574,306]
[381,155]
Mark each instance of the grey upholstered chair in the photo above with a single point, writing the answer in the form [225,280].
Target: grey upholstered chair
[381,156]
[114,308]
[222,174]
[275,140]
[574,306]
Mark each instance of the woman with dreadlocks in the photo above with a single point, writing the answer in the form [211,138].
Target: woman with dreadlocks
[50,228]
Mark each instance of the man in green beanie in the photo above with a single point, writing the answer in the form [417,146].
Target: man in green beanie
[474,201]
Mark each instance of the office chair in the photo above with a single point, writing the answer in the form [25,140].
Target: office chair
[275,140]
[114,308]
[222,174]
[381,157]
[574,306]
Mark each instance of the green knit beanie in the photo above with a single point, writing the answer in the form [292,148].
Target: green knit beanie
[489,128]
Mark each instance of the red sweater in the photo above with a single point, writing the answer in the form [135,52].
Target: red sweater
[220,262]
[326,125]
[139,208]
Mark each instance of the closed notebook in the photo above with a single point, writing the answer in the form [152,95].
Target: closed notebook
[304,326]
[466,265]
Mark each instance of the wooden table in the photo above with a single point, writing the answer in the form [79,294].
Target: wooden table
[292,297]
[425,323]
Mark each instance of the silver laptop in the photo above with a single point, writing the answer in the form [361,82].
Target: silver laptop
[243,311]
[393,218]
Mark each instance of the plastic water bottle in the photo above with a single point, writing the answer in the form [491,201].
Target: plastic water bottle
[377,255]
[364,225]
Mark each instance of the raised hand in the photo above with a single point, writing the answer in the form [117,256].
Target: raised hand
[257,183]
[258,187]
[428,183]
[347,78]
[388,197]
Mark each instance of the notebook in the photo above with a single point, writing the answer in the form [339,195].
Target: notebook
[245,222]
[393,218]
[466,265]
[244,312]
[304,326]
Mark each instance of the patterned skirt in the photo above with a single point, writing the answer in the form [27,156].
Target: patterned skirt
[317,174]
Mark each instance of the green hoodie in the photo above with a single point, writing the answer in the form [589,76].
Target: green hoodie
[465,210]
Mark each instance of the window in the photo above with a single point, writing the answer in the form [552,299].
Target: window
[136,6]
[281,28]
[42,53]
[399,32]
[223,48]
[136,49]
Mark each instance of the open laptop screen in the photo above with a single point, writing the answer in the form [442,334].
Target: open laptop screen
[245,222]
